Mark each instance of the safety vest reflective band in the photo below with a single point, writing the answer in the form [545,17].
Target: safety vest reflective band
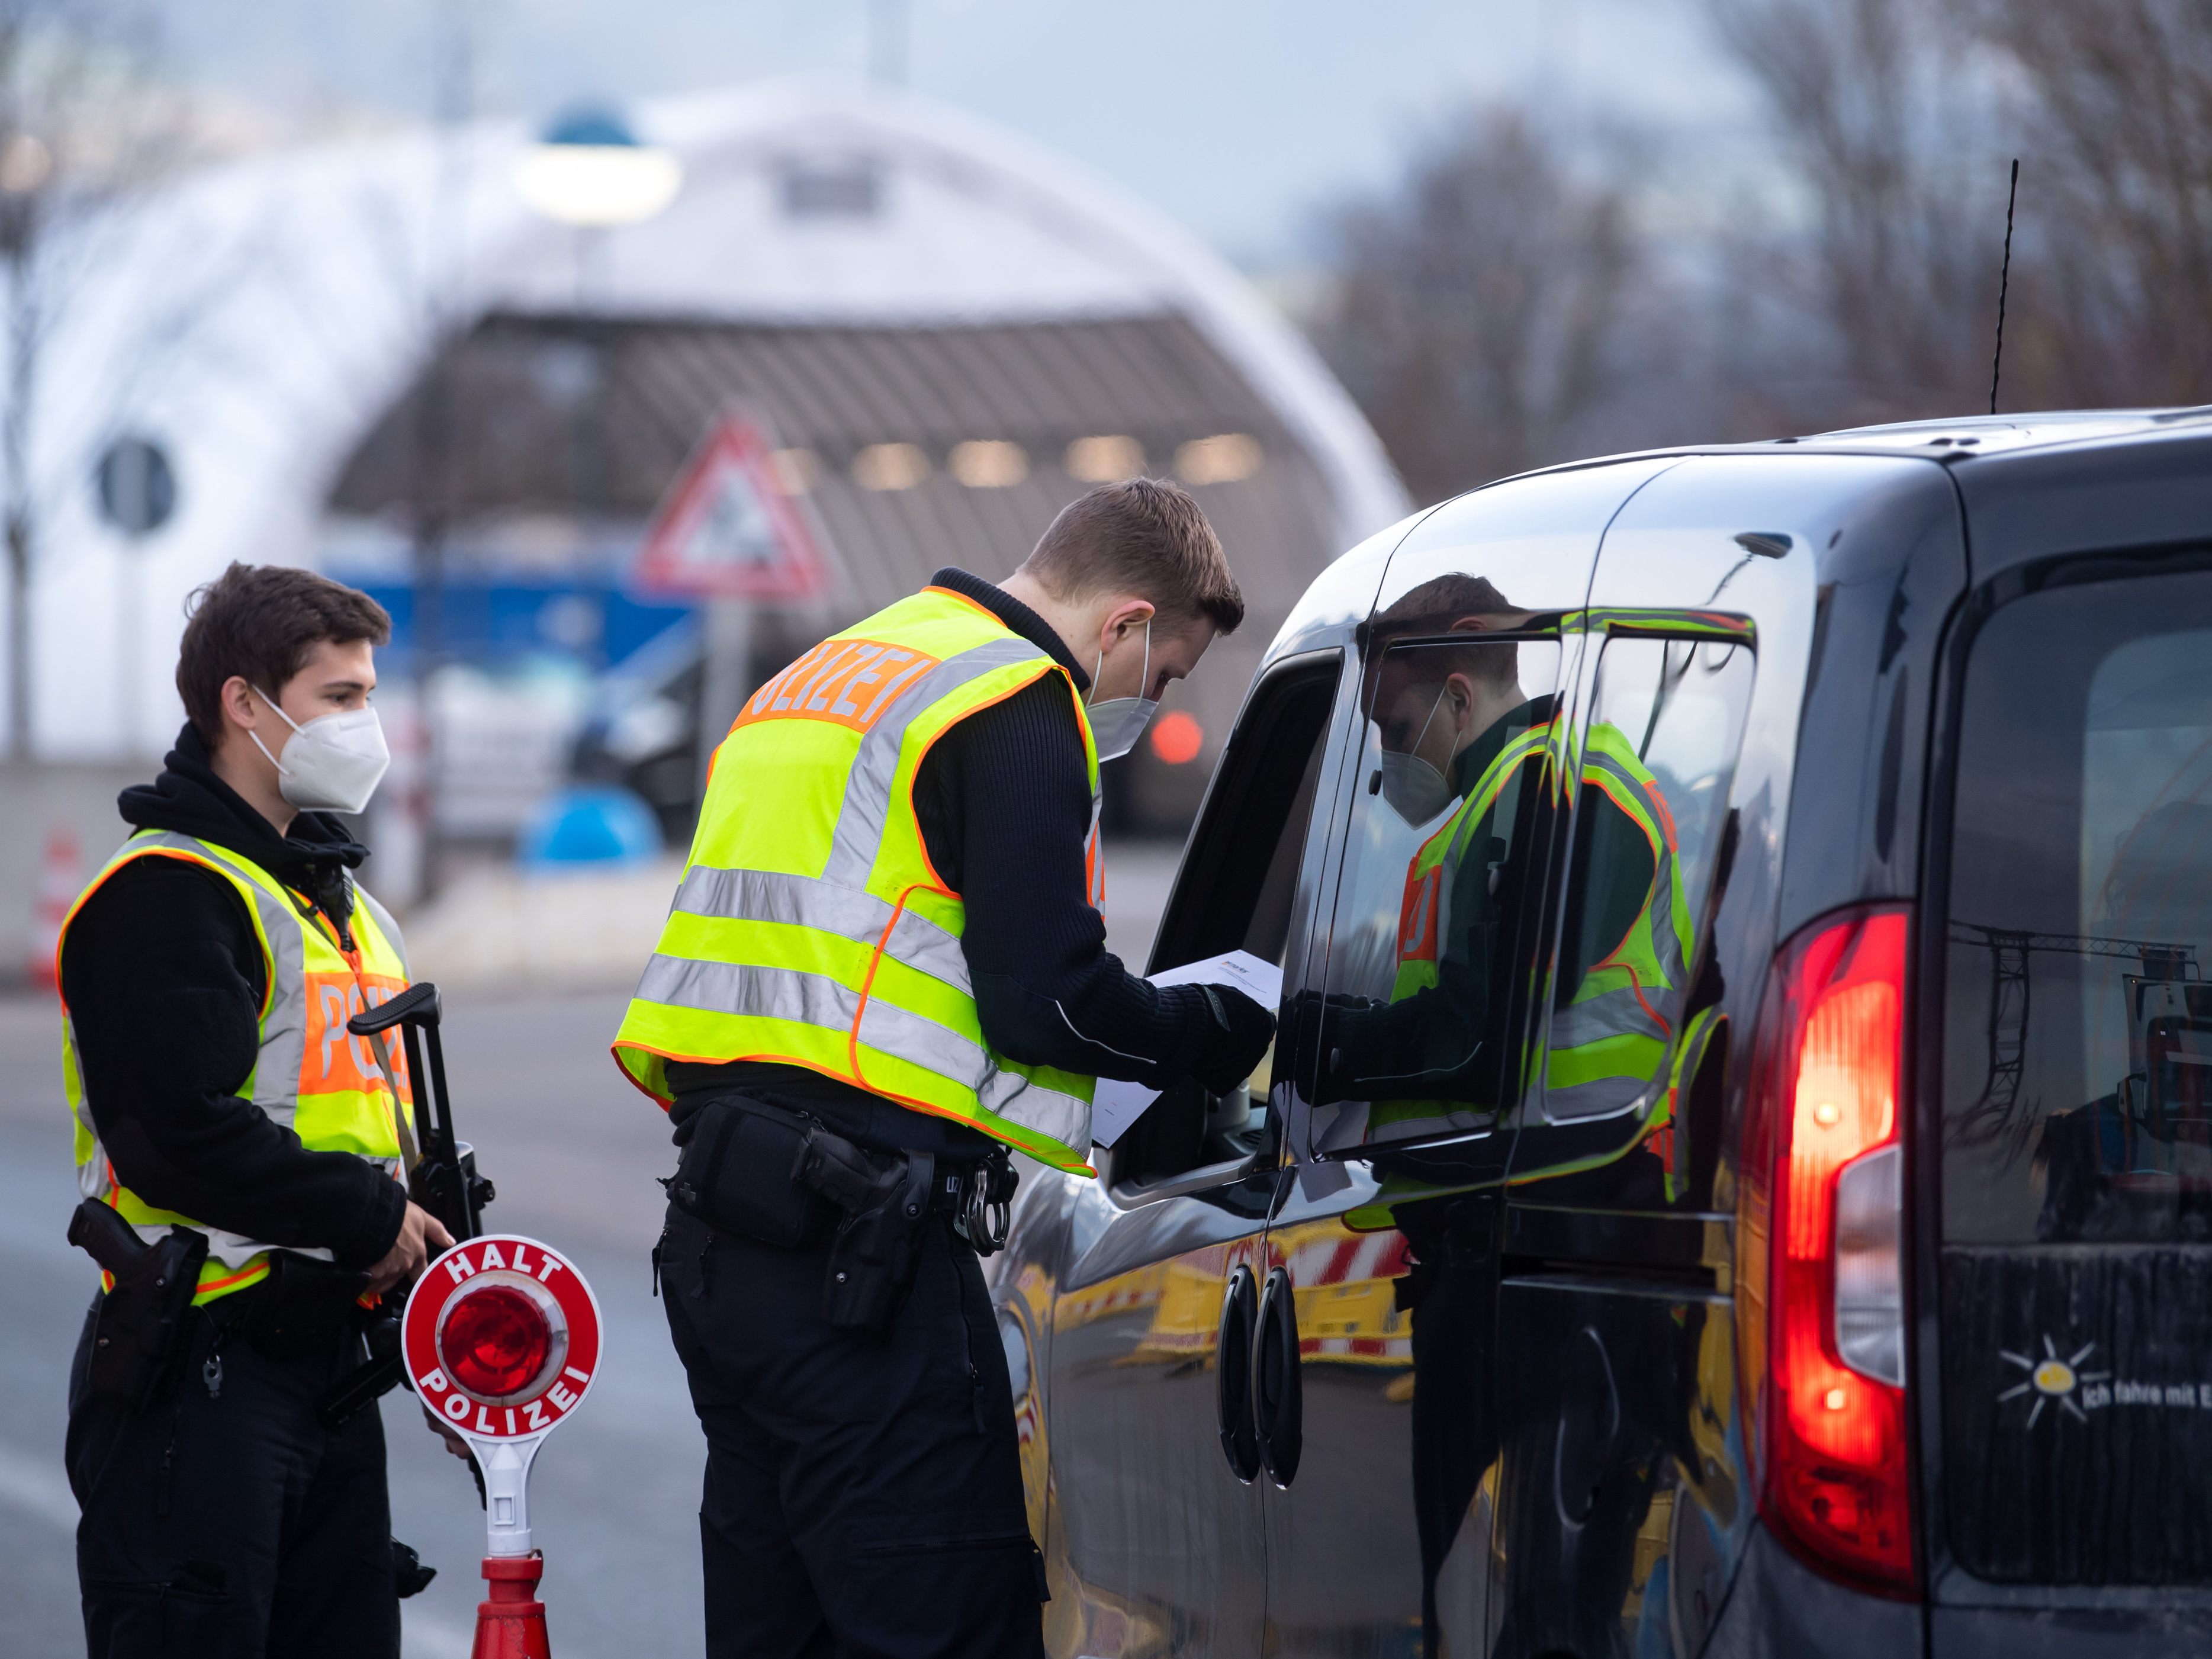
[1608,1043]
[310,1075]
[810,927]
[1423,918]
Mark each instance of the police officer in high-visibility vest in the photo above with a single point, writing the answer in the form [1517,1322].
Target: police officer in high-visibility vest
[884,972]
[207,974]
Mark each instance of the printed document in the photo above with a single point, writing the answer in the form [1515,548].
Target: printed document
[1117,1104]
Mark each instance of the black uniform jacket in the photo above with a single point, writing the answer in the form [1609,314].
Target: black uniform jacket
[163,979]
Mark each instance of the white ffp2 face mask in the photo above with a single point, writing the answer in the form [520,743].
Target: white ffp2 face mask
[331,764]
[1116,723]
[1411,787]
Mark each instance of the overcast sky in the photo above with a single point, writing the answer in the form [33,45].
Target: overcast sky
[1239,117]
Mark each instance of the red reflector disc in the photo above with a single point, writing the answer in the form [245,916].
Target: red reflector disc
[496,1342]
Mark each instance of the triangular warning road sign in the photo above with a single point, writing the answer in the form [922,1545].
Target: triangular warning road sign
[726,529]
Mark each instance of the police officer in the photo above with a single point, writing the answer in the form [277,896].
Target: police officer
[884,969]
[207,974]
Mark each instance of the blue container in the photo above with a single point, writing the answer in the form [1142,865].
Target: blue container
[593,826]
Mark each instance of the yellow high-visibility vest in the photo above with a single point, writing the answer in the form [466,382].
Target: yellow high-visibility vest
[331,1089]
[810,927]
[1612,1037]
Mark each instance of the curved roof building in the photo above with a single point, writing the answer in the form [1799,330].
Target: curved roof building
[950,330]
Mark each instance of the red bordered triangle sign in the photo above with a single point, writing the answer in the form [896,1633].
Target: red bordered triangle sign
[726,530]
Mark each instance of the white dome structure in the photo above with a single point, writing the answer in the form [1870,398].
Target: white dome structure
[872,267]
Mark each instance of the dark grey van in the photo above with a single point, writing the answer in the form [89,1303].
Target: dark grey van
[1735,1173]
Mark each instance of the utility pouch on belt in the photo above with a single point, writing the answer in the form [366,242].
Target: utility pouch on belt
[304,1310]
[737,1173]
[878,1245]
[137,1336]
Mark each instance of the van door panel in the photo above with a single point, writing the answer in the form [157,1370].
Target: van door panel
[1624,1506]
[1157,1544]
[1616,1493]
[1384,1532]
[1379,1543]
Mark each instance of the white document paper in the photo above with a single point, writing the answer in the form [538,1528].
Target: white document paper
[1117,1104]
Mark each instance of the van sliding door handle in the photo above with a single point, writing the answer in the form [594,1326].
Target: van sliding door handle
[1232,1375]
[1277,1396]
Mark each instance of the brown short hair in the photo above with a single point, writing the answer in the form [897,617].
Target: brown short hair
[1451,603]
[259,622]
[1147,537]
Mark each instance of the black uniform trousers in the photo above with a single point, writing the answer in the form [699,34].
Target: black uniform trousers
[227,1523]
[863,1493]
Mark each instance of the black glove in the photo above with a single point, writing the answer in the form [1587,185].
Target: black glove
[1243,1032]
[1316,1041]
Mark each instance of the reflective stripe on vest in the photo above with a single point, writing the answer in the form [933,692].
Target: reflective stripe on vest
[810,928]
[1421,917]
[310,1075]
[1607,1045]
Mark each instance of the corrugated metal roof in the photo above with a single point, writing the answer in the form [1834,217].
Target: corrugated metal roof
[598,417]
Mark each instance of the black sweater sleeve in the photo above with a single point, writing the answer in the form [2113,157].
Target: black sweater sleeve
[1004,810]
[163,980]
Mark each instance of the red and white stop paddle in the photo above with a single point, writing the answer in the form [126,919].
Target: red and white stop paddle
[501,1341]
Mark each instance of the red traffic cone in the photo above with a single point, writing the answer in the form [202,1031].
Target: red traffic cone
[511,1624]
[58,888]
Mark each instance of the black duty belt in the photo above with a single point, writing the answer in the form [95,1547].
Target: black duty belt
[304,1309]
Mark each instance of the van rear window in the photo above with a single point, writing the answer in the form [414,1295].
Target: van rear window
[2077,1060]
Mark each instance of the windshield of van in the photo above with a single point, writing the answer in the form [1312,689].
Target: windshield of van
[2077,1073]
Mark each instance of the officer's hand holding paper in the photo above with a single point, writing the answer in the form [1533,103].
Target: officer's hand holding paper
[1116,1104]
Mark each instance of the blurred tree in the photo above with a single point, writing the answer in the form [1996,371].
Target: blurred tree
[1878,287]
[1478,310]
[2114,110]
[81,126]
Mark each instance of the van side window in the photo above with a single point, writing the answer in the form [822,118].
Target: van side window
[2077,1032]
[1649,788]
[1235,892]
[1446,862]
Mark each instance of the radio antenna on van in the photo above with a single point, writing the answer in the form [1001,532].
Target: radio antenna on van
[2004,282]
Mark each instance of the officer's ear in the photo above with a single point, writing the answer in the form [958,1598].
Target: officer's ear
[242,707]
[1460,703]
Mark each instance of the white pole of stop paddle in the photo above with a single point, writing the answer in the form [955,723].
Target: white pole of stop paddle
[506,1466]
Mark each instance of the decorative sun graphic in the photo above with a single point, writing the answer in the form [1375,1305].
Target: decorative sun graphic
[2051,1378]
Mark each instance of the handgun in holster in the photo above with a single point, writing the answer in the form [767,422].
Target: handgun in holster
[877,1246]
[137,1336]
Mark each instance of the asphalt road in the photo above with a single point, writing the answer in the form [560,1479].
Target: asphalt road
[574,1150]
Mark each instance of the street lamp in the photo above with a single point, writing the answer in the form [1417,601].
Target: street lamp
[591,172]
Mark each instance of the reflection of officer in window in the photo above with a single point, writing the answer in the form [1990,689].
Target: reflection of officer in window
[1465,750]
[1454,724]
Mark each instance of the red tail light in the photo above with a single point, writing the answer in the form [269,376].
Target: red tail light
[1820,1245]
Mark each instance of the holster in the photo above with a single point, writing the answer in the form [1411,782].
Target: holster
[137,1336]
[877,1247]
[781,1177]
